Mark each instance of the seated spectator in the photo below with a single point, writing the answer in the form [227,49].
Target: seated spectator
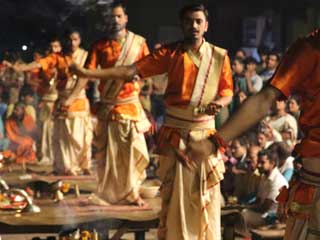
[267,135]
[246,185]
[263,211]
[294,106]
[240,53]
[239,82]
[285,159]
[254,81]
[22,133]
[235,164]
[272,62]
[281,121]
[239,152]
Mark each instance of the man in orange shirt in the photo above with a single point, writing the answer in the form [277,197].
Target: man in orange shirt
[199,83]
[22,132]
[72,125]
[44,82]
[122,151]
[298,73]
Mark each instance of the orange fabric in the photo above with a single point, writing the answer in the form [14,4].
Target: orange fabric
[21,140]
[298,73]
[106,53]
[78,105]
[182,73]
[304,194]
[39,79]
[283,195]
[59,62]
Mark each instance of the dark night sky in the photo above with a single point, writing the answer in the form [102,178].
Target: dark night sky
[34,22]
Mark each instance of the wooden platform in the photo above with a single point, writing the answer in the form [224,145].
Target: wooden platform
[67,215]
[74,212]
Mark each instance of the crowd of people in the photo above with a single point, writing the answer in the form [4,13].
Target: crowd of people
[49,115]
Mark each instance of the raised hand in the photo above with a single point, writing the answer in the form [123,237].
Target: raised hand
[199,151]
[213,108]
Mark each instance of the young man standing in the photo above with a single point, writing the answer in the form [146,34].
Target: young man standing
[71,140]
[199,84]
[122,151]
[298,73]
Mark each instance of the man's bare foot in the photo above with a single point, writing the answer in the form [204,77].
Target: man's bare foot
[86,172]
[70,173]
[140,202]
[93,199]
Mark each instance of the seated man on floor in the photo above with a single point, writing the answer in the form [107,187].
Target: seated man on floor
[263,210]
[247,184]
[22,131]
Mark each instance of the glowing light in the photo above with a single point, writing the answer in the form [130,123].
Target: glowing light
[24,47]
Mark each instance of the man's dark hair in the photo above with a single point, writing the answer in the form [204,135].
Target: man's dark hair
[272,156]
[243,141]
[296,98]
[282,149]
[121,4]
[55,39]
[239,60]
[73,30]
[275,53]
[251,60]
[194,8]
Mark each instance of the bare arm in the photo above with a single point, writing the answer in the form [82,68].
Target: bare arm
[26,67]
[122,72]
[250,112]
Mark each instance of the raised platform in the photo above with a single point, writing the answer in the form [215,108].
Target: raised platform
[76,213]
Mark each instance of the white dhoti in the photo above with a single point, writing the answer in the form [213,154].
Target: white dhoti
[73,135]
[47,128]
[191,199]
[122,157]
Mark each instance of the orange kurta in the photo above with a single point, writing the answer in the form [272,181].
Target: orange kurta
[61,63]
[20,136]
[182,74]
[298,73]
[190,198]
[105,54]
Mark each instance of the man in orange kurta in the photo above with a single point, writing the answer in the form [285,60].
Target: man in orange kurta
[72,127]
[22,132]
[122,153]
[199,77]
[298,73]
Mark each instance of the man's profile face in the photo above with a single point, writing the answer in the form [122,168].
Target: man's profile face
[120,18]
[272,62]
[75,40]
[56,47]
[264,164]
[194,25]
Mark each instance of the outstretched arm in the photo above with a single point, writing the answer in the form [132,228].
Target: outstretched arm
[23,67]
[251,111]
[122,72]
